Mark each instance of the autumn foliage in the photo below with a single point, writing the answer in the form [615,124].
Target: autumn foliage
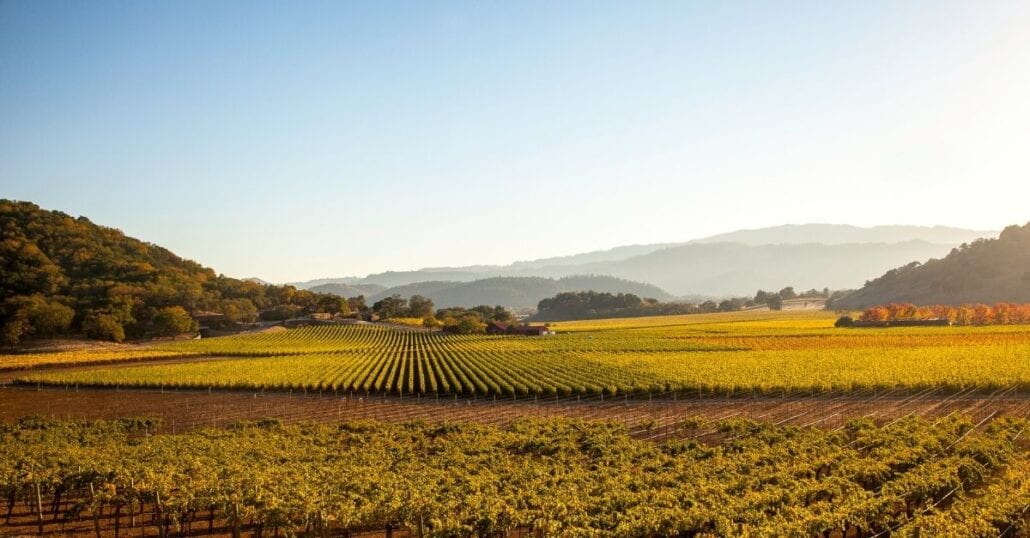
[967,314]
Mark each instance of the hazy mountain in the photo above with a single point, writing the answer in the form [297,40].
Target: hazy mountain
[348,290]
[735,269]
[724,269]
[805,255]
[517,292]
[836,234]
[551,268]
[613,254]
[390,279]
[987,271]
[308,284]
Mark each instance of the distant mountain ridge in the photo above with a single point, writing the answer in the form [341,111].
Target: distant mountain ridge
[612,254]
[736,263]
[347,290]
[728,269]
[985,271]
[837,234]
[517,292]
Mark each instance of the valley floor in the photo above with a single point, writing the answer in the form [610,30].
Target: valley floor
[749,423]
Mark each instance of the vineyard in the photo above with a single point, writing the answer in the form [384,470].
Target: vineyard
[759,424]
[737,353]
[649,417]
[911,477]
[83,357]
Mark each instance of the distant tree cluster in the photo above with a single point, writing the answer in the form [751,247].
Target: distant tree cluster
[454,319]
[594,305]
[972,314]
[396,306]
[774,300]
[61,275]
[470,320]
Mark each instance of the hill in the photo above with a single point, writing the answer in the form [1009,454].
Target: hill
[389,279]
[733,269]
[347,290]
[737,263]
[837,234]
[66,275]
[610,255]
[308,284]
[984,271]
[516,292]
[478,272]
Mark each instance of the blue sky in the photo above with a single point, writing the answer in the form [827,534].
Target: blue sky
[293,140]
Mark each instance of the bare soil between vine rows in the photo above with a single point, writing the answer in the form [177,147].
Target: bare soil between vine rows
[653,417]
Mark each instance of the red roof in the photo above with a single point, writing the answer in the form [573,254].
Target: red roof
[537,329]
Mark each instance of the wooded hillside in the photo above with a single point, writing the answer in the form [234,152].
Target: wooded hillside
[984,271]
[60,274]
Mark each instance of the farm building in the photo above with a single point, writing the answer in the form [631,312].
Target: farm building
[496,327]
[206,319]
[531,330]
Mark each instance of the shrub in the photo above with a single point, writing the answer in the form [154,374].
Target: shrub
[103,327]
[466,325]
[33,315]
[49,318]
[172,321]
[280,313]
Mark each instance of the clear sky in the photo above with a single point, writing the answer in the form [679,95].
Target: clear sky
[293,140]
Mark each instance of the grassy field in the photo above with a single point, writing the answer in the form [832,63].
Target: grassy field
[756,351]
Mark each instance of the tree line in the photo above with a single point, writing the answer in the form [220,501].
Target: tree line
[458,320]
[595,305]
[969,314]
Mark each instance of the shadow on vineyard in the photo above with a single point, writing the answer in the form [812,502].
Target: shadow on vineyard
[71,516]
[532,477]
[660,416]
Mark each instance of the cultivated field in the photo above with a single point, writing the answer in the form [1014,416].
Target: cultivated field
[756,352]
[913,477]
[88,356]
[763,424]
